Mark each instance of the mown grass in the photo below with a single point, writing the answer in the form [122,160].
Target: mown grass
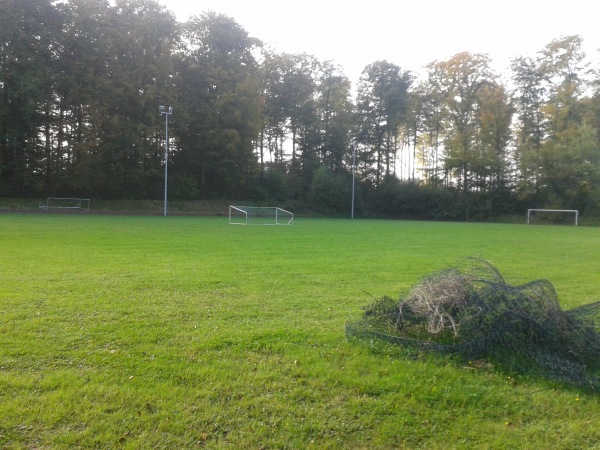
[183,332]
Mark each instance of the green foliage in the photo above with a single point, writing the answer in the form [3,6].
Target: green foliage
[477,113]
[219,107]
[185,188]
[404,200]
[330,192]
[80,83]
[274,183]
[382,102]
[27,33]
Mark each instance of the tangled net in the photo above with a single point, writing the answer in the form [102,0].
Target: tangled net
[471,311]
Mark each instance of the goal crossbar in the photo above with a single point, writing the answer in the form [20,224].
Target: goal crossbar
[259,215]
[572,211]
[66,203]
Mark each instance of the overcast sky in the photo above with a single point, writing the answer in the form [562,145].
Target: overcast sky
[410,34]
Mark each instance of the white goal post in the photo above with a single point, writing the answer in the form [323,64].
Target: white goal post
[568,211]
[66,203]
[259,215]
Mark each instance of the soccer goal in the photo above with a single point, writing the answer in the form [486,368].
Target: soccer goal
[552,215]
[67,203]
[259,215]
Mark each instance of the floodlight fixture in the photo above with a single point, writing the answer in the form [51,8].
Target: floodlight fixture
[167,113]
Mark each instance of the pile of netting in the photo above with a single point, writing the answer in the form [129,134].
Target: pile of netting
[470,311]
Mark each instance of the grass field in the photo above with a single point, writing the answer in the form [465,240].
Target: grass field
[184,332]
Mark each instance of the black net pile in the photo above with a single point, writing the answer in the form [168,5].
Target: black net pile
[470,311]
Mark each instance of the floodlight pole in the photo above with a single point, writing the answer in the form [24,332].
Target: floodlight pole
[353,175]
[167,112]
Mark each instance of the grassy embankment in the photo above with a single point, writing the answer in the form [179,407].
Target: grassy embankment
[152,332]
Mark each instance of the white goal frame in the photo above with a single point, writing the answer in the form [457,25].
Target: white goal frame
[259,215]
[572,211]
[82,204]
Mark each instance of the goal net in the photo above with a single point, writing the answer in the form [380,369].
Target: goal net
[471,312]
[560,216]
[67,203]
[259,215]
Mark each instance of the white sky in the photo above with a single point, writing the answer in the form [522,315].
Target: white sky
[411,34]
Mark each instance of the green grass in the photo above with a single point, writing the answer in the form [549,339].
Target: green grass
[182,332]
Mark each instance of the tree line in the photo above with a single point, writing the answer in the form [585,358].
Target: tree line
[81,82]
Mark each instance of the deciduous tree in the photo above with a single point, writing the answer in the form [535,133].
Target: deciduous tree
[381,107]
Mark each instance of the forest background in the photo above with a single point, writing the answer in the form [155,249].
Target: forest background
[81,82]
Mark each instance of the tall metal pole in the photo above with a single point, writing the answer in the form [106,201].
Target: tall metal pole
[353,175]
[166,159]
[166,112]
